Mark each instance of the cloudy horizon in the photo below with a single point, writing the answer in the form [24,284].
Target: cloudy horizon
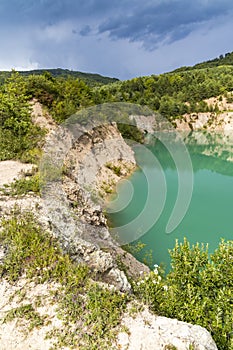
[122,39]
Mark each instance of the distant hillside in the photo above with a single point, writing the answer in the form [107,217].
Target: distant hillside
[171,94]
[222,60]
[89,78]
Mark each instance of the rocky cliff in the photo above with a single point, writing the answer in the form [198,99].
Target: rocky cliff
[78,175]
[93,164]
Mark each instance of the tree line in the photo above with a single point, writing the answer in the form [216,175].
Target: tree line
[171,94]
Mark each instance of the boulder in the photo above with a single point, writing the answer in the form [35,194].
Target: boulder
[149,332]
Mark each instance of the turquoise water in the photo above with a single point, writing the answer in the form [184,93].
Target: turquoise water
[210,214]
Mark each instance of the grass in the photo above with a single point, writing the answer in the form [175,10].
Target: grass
[26,313]
[115,168]
[90,313]
[23,186]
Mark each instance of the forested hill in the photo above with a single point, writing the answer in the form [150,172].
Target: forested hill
[62,94]
[90,78]
[176,93]
[222,60]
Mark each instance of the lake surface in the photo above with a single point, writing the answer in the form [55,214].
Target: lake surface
[209,216]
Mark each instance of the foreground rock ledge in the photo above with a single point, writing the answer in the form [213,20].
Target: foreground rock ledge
[150,332]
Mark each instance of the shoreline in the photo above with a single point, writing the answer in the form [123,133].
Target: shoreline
[93,165]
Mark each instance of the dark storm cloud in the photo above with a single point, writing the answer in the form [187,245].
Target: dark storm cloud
[54,10]
[113,37]
[154,22]
[85,30]
[149,22]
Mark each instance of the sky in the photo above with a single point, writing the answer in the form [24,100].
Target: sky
[116,38]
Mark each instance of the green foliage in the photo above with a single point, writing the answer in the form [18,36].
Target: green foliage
[81,301]
[100,312]
[134,248]
[24,185]
[169,93]
[14,104]
[170,347]
[222,60]
[24,147]
[197,290]
[64,92]
[106,187]
[115,168]
[89,78]
[62,96]
[25,313]
[30,250]
[18,135]
[73,95]
[42,87]
[130,132]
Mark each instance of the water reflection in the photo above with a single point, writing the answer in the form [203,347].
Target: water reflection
[209,150]
[209,217]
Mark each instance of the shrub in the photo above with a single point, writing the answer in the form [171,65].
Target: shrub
[198,289]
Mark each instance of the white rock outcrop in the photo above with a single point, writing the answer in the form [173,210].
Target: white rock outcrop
[150,332]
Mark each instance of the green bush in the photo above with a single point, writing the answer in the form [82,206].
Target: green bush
[18,134]
[198,289]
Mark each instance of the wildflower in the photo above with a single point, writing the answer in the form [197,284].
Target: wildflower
[165,288]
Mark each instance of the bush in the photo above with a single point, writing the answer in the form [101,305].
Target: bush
[18,134]
[198,289]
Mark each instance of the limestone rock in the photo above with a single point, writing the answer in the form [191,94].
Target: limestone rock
[118,279]
[100,261]
[41,117]
[150,332]
[144,123]
[11,170]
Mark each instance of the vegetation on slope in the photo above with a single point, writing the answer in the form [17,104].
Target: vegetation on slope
[171,94]
[197,290]
[19,137]
[90,313]
[222,60]
[91,79]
